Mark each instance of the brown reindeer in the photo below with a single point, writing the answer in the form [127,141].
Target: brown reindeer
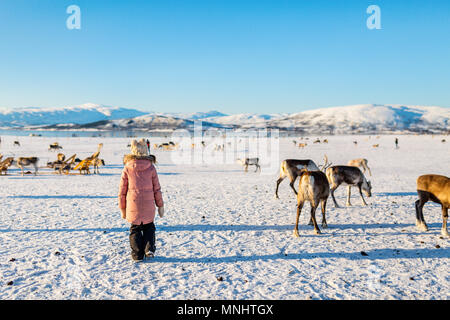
[360,163]
[436,188]
[313,187]
[5,164]
[350,176]
[54,146]
[376,145]
[302,145]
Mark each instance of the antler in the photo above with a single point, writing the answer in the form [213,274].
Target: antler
[326,165]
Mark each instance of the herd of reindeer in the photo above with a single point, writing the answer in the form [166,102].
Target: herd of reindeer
[60,165]
[316,183]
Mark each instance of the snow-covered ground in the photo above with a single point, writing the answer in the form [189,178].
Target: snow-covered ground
[62,236]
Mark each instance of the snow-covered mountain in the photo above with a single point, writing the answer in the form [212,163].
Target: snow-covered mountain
[368,118]
[244,119]
[147,122]
[197,115]
[82,114]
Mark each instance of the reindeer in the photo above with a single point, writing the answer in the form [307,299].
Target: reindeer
[443,140]
[436,188]
[54,146]
[5,164]
[355,143]
[62,164]
[361,162]
[313,187]
[22,162]
[97,162]
[350,176]
[325,141]
[292,167]
[302,145]
[376,145]
[16,143]
[250,162]
[316,141]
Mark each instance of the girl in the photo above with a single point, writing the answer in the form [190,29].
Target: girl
[139,190]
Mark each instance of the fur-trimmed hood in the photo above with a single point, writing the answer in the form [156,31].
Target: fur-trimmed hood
[130,157]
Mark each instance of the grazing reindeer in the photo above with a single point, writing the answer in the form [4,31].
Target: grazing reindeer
[376,145]
[361,162]
[317,140]
[54,146]
[325,141]
[250,162]
[5,164]
[97,162]
[291,168]
[16,143]
[350,176]
[302,145]
[313,187]
[27,161]
[443,140]
[436,188]
[355,143]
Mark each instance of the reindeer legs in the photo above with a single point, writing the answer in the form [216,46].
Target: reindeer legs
[323,204]
[444,231]
[362,197]
[278,184]
[332,196]
[299,210]
[313,217]
[420,221]
[348,196]
[292,186]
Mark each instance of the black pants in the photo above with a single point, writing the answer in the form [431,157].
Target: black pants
[142,239]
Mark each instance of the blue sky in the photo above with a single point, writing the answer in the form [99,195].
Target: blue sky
[233,56]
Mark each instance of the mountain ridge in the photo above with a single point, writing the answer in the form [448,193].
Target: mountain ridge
[363,118]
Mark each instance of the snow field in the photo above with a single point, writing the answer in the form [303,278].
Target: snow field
[62,236]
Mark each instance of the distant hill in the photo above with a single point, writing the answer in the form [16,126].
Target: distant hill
[365,119]
[82,114]
[354,119]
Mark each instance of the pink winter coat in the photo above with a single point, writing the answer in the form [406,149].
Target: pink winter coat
[139,190]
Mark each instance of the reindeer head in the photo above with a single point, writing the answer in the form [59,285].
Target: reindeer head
[367,188]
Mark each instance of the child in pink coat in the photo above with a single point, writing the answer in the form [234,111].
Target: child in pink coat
[139,190]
